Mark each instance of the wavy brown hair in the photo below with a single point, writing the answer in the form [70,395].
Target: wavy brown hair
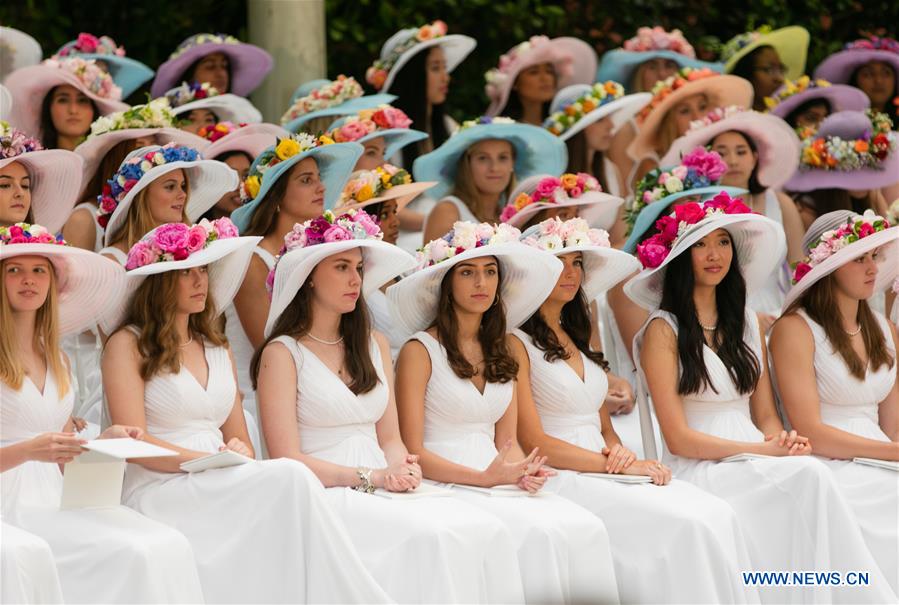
[106,169]
[152,311]
[464,187]
[139,220]
[355,329]
[499,365]
[265,216]
[819,301]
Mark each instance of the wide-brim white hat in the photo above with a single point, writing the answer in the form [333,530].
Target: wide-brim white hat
[5,102]
[25,50]
[621,110]
[598,208]
[55,183]
[403,194]
[89,285]
[777,144]
[30,85]
[209,181]
[251,139]
[758,242]
[227,261]
[528,277]
[381,263]
[226,107]
[455,47]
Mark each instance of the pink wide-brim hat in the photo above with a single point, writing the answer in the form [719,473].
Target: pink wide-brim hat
[777,144]
[55,184]
[839,67]
[251,139]
[598,208]
[28,87]
[574,60]
[840,97]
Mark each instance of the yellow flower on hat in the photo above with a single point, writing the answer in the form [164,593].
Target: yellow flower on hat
[365,193]
[522,200]
[287,148]
[569,180]
[325,140]
[252,186]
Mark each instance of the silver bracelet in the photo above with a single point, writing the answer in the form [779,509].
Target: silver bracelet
[364,474]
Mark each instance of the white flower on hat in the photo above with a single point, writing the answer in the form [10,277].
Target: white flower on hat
[550,242]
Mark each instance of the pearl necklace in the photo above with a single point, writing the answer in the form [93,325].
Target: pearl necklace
[323,341]
[707,328]
[853,333]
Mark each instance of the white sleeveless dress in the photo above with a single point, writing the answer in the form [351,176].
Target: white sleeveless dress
[263,532]
[793,513]
[27,569]
[379,311]
[425,550]
[104,554]
[643,520]
[851,405]
[563,549]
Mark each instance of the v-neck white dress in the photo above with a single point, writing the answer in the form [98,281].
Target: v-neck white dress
[792,510]
[643,520]
[104,554]
[425,550]
[563,549]
[263,532]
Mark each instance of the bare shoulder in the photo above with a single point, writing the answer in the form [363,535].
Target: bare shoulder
[791,326]
[659,332]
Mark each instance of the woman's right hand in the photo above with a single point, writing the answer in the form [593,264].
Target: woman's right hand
[502,472]
[786,444]
[658,472]
[59,448]
[400,477]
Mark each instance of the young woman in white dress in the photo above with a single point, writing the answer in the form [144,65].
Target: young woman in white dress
[835,363]
[703,359]
[562,383]
[103,555]
[456,397]
[261,531]
[27,569]
[325,392]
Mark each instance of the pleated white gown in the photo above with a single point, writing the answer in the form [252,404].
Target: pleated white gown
[644,521]
[429,550]
[851,405]
[563,549]
[792,510]
[27,569]
[103,555]
[263,532]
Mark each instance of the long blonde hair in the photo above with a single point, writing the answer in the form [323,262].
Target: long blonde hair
[139,220]
[464,186]
[46,338]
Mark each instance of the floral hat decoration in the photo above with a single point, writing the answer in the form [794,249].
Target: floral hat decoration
[406,43]
[603,266]
[528,274]
[86,282]
[576,107]
[190,96]
[328,98]
[840,237]
[758,242]
[308,243]
[542,192]
[127,73]
[153,114]
[52,172]
[384,121]
[251,139]
[840,66]
[794,93]
[386,182]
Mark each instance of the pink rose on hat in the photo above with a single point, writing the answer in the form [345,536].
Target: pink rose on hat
[172,237]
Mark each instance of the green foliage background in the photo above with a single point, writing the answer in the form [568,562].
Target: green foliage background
[357,28]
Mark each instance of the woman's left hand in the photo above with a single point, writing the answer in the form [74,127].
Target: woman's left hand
[120,431]
[236,445]
[618,458]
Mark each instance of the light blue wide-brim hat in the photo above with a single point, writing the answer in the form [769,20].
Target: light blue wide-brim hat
[537,151]
[651,212]
[620,64]
[344,109]
[335,164]
[128,74]
[395,139]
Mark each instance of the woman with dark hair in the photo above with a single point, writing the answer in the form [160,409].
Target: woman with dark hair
[456,397]
[834,358]
[703,359]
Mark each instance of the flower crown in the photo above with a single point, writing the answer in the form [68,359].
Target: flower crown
[699,168]
[832,241]
[665,87]
[832,153]
[329,227]
[741,41]
[189,92]
[90,44]
[794,87]
[376,75]
[283,149]
[716,115]
[133,170]
[465,235]
[483,121]
[369,184]
[26,233]
[91,75]
[498,76]
[218,130]
[672,228]
[368,121]
[177,241]
[571,113]
[552,190]
[656,38]
[554,234]
[14,142]
[332,94]
[874,43]
[155,114]
[198,39]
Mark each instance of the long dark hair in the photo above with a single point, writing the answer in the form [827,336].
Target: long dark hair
[793,116]
[577,159]
[514,110]
[888,108]
[730,296]
[410,85]
[48,133]
[355,329]
[745,67]
[499,365]
[576,323]
[265,215]
[754,186]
